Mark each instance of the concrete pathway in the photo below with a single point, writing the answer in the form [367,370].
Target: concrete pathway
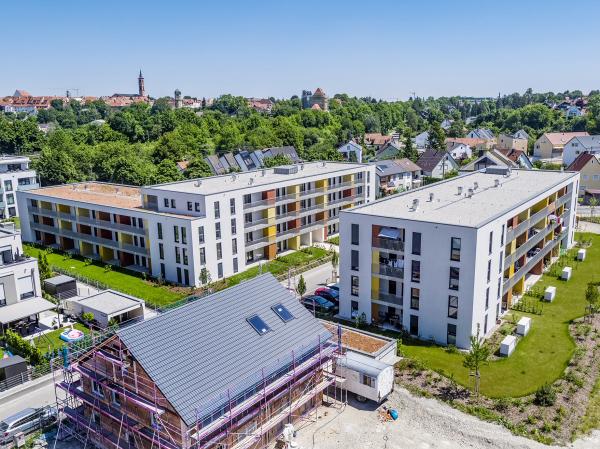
[586,226]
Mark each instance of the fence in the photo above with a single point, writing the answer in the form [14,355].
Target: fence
[302,268]
[32,373]
[84,279]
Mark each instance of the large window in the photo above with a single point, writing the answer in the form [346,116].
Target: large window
[234,246]
[501,261]
[491,241]
[455,249]
[185,256]
[201,234]
[499,287]
[232,205]
[414,298]
[416,243]
[173,204]
[159,226]
[161,251]
[220,270]
[233,226]
[355,234]
[454,276]
[202,256]
[416,271]
[177,255]
[485,325]
[354,285]
[218,230]
[354,260]
[235,265]
[414,325]
[453,306]
[219,252]
[162,271]
[217,210]
[489,274]
[183,235]
[451,335]
[176,233]
[487,298]
[502,236]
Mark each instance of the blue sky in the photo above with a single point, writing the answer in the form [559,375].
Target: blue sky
[385,49]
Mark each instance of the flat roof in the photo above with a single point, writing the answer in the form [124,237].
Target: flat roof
[58,280]
[448,207]
[24,309]
[110,301]
[224,183]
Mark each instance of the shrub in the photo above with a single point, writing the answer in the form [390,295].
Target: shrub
[67,256]
[399,348]
[419,365]
[107,268]
[530,419]
[88,316]
[451,349]
[570,376]
[87,262]
[546,427]
[502,404]
[403,364]
[545,395]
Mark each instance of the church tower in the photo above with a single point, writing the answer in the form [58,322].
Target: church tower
[142,90]
[178,101]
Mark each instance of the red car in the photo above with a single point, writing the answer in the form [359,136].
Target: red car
[329,294]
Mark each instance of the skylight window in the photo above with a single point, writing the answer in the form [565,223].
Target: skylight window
[258,324]
[283,313]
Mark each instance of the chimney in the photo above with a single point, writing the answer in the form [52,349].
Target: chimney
[496,182]
[460,189]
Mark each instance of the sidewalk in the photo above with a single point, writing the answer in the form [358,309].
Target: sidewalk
[586,226]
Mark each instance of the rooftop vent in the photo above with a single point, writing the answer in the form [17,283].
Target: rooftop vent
[198,183]
[233,176]
[431,197]
[85,186]
[496,170]
[286,170]
[470,194]
[251,181]
[324,164]
[496,182]
[475,185]
[264,172]
[117,190]
[302,166]
[74,186]
[415,204]
[460,189]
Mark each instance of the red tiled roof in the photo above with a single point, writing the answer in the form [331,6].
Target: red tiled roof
[511,154]
[316,106]
[562,138]
[319,91]
[580,162]
[183,164]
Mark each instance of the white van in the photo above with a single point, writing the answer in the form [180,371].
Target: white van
[366,377]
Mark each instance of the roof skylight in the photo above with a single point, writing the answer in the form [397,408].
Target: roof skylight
[283,313]
[258,324]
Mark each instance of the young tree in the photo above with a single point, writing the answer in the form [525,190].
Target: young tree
[335,261]
[477,356]
[591,295]
[301,287]
[205,278]
[593,203]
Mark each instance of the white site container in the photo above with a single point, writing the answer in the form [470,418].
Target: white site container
[566,273]
[508,345]
[549,294]
[581,254]
[523,326]
[366,377]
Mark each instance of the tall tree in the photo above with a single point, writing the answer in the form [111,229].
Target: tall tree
[408,151]
[167,171]
[436,138]
[278,160]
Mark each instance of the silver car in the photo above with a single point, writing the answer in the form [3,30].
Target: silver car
[27,420]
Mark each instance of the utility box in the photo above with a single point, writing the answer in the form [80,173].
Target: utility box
[549,294]
[581,254]
[19,439]
[566,273]
[508,345]
[523,326]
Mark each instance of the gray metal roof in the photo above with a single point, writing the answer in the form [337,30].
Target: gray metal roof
[59,280]
[110,302]
[199,350]
[363,364]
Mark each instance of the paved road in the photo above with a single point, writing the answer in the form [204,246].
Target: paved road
[315,278]
[37,396]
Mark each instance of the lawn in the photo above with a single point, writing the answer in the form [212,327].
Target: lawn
[121,279]
[54,337]
[539,357]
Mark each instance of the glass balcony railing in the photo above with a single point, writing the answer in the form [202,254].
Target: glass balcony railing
[390,244]
[386,270]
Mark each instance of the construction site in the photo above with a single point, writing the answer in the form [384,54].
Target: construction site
[237,369]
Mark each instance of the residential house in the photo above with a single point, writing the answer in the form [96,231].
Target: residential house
[578,145]
[245,161]
[481,133]
[289,152]
[521,134]
[512,142]
[215,164]
[261,104]
[392,174]
[351,147]
[474,143]
[519,157]
[446,123]
[138,389]
[436,163]
[499,158]
[420,140]
[15,176]
[573,111]
[106,305]
[458,150]
[466,246]
[549,147]
[181,166]
[373,140]
[390,149]
[588,166]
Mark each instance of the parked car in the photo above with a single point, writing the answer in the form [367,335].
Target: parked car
[329,294]
[319,304]
[335,287]
[27,420]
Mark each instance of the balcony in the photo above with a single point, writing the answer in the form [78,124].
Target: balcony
[389,244]
[390,298]
[25,187]
[535,218]
[284,235]
[386,270]
[530,243]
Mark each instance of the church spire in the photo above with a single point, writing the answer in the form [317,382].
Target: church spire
[142,89]
[140,74]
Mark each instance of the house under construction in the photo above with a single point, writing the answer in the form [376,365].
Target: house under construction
[227,371]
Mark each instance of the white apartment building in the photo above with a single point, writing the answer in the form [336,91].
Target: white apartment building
[20,290]
[14,175]
[221,223]
[445,257]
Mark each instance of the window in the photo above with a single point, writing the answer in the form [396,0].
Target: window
[416,271]
[26,289]
[202,256]
[354,285]
[453,306]
[485,325]
[355,230]
[235,265]
[219,253]
[499,287]
[97,389]
[176,233]
[173,204]
[585,177]
[161,251]
[218,230]
[491,241]
[414,298]
[201,234]
[247,199]
[454,277]
[232,205]
[282,313]
[414,325]
[10,199]
[96,418]
[159,225]
[183,235]
[258,324]
[354,306]
[177,254]
[179,275]
[596,177]
[354,260]
[416,243]
[234,246]
[489,274]
[501,261]
[197,207]
[185,257]
[116,400]
[2,296]
[451,334]
[455,249]
[166,202]
[163,271]
[217,210]
[487,298]
[502,236]
[186,277]
[190,205]
[248,218]
[233,227]
[220,270]
[140,223]
[367,380]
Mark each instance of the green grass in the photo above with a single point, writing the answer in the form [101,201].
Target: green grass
[539,357]
[121,279]
[54,337]
[334,240]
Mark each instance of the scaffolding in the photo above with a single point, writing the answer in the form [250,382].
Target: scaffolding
[273,396]
[107,413]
